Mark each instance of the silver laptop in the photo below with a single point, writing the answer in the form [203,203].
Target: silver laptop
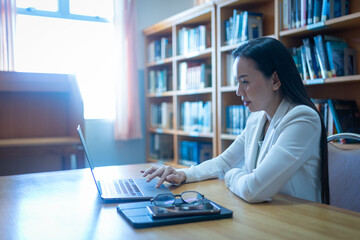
[117,189]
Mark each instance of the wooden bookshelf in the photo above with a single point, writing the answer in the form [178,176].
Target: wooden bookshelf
[344,87]
[201,15]
[225,93]
[39,114]
[346,27]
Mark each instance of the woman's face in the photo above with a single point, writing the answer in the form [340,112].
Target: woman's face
[256,91]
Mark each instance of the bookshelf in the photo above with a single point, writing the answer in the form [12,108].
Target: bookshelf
[342,87]
[222,92]
[225,85]
[189,98]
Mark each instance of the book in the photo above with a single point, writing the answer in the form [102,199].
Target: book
[194,153]
[196,116]
[254,26]
[229,62]
[243,25]
[303,13]
[285,14]
[349,61]
[236,117]
[325,10]
[317,11]
[309,56]
[194,75]
[161,147]
[297,13]
[305,74]
[322,56]
[310,11]
[346,115]
[335,51]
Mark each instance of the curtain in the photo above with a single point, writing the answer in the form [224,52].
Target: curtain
[127,122]
[7,30]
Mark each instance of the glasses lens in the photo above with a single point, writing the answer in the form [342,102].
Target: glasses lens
[191,197]
[164,200]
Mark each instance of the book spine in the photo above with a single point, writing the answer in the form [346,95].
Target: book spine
[334,115]
[310,11]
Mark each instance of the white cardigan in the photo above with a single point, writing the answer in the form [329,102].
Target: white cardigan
[288,162]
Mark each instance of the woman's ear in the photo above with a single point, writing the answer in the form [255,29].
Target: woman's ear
[276,81]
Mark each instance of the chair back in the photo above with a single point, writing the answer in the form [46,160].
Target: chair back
[344,172]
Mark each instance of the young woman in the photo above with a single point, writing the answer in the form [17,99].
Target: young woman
[283,148]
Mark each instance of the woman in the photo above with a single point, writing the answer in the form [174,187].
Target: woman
[283,148]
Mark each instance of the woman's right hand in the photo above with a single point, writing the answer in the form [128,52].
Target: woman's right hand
[165,173]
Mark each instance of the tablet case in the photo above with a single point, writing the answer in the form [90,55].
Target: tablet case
[138,216]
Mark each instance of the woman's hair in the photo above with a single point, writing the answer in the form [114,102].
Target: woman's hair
[270,56]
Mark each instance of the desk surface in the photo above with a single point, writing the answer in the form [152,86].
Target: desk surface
[65,205]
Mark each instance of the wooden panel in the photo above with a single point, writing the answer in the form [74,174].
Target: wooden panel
[24,115]
[39,114]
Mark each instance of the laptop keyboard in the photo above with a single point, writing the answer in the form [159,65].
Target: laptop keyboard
[125,187]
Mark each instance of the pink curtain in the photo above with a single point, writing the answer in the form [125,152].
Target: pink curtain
[127,123]
[7,30]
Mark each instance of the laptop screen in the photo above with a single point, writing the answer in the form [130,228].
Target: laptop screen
[87,155]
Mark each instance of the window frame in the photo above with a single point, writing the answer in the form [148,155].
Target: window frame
[63,12]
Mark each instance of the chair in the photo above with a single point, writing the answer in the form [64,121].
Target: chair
[344,172]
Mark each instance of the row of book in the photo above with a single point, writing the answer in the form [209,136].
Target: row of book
[193,39]
[339,116]
[243,25]
[161,115]
[236,117]
[229,62]
[160,80]
[193,153]
[159,49]
[194,75]
[161,147]
[196,116]
[323,57]
[299,13]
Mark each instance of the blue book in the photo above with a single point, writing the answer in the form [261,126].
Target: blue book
[205,151]
[335,51]
[317,11]
[310,11]
[335,117]
[322,56]
[325,10]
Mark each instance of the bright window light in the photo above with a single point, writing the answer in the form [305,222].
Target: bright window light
[95,8]
[84,48]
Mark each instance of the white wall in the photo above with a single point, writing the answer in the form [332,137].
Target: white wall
[150,12]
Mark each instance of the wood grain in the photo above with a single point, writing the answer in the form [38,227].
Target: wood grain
[65,205]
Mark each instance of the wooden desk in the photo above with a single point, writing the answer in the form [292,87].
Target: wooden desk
[65,205]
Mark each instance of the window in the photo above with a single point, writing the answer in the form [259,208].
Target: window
[70,36]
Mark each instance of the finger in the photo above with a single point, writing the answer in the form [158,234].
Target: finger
[158,172]
[167,171]
[149,171]
[176,178]
[172,179]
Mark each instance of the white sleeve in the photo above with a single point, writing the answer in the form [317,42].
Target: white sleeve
[232,157]
[299,133]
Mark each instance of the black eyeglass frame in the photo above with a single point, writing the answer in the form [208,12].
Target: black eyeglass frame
[198,201]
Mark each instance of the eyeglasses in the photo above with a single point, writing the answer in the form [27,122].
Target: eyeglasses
[168,199]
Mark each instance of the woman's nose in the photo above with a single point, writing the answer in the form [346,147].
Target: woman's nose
[239,90]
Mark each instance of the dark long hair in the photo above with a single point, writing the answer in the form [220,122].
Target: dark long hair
[270,56]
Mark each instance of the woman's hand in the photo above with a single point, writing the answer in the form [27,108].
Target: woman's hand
[166,173]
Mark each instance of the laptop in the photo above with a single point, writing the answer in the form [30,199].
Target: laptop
[113,188]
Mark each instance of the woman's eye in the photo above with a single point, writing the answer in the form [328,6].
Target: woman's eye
[244,82]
